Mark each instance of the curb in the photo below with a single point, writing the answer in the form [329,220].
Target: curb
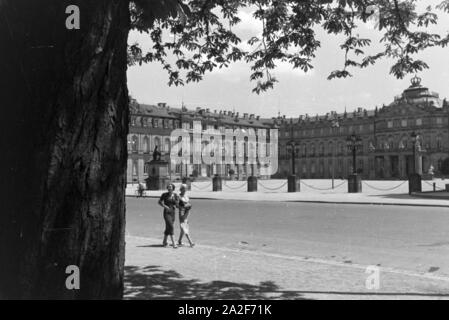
[323,202]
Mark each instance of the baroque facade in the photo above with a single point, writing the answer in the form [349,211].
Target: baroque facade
[319,141]
[151,126]
[386,151]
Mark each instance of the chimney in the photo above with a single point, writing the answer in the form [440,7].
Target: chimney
[161,104]
[245,116]
[258,118]
[208,110]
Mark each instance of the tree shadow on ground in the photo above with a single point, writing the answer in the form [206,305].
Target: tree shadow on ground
[152,282]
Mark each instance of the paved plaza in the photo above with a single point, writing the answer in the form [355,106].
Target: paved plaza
[289,250]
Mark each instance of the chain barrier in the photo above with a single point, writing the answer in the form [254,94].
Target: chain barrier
[273,189]
[436,187]
[203,188]
[322,189]
[388,189]
[234,188]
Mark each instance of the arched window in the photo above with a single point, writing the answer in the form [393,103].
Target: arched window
[157,143]
[321,149]
[439,143]
[440,164]
[331,148]
[134,168]
[288,152]
[390,143]
[313,149]
[167,145]
[146,144]
[403,144]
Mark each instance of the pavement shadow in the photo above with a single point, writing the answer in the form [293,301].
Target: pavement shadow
[393,196]
[152,283]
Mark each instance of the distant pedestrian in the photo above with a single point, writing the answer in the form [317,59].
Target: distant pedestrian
[184,210]
[169,201]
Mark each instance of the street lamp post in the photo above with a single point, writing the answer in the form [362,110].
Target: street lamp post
[354,142]
[414,179]
[293,185]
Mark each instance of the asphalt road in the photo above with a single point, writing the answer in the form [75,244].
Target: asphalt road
[413,239]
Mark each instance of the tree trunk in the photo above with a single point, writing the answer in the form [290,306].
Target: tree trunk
[63,145]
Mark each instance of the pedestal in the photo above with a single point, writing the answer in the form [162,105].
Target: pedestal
[157,183]
[414,183]
[294,183]
[216,183]
[157,175]
[354,183]
[252,184]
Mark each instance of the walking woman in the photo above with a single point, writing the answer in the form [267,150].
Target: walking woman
[169,201]
[184,209]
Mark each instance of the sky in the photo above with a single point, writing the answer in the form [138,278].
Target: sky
[296,93]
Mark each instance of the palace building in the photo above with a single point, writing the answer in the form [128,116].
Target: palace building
[386,133]
[319,141]
[152,125]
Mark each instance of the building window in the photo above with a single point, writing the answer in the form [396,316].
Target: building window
[439,144]
[419,122]
[133,121]
[156,123]
[403,123]
[439,120]
[135,144]
[390,124]
[167,145]
[134,168]
[146,144]
[157,143]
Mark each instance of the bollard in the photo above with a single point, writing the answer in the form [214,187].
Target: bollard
[434,187]
[294,184]
[354,183]
[447,187]
[216,183]
[252,184]
[414,183]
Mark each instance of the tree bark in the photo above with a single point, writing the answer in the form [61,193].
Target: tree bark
[63,142]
